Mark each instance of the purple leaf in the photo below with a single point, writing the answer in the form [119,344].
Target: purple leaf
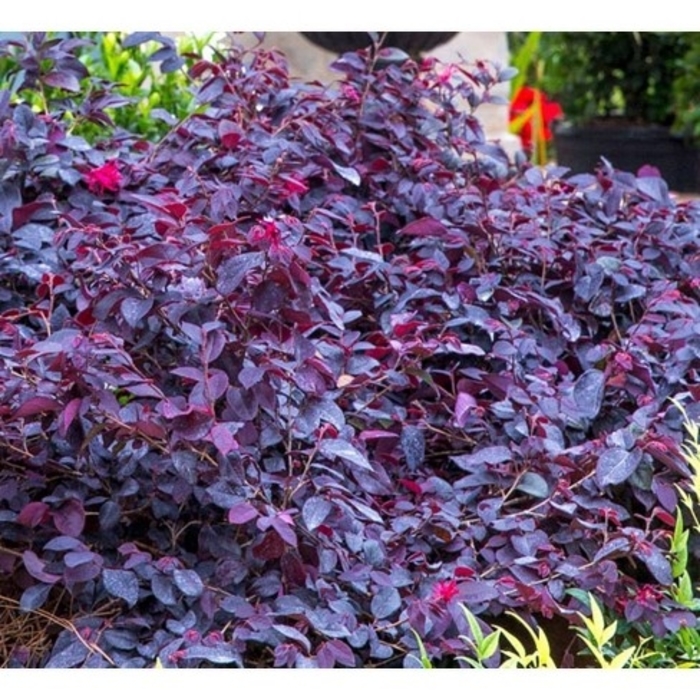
[135,310]
[39,404]
[533,485]
[62,79]
[85,570]
[284,530]
[342,449]
[35,568]
[78,558]
[426,226]
[385,602]
[413,445]
[69,519]
[614,546]
[392,56]
[33,514]
[615,465]
[188,581]
[163,590]
[341,652]
[232,271]
[122,584]
[477,592]
[250,376]
[487,455]
[314,511]
[223,439]
[295,634]
[34,597]
[588,392]
[656,561]
[463,407]
[242,513]
[69,657]
[349,174]
[136,38]
[220,654]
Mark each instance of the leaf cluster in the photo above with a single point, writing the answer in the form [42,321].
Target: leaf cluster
[319,350]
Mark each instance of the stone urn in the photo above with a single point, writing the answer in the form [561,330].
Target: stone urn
[413,43]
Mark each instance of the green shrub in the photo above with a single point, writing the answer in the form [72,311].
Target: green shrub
[146,90]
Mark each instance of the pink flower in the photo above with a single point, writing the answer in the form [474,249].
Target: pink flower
[106,178]
[445,591]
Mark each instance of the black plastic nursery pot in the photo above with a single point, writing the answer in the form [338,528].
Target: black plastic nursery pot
[629,147]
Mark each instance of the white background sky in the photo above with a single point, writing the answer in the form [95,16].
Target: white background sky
[291,15]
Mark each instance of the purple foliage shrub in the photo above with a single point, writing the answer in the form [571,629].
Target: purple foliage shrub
[320,365]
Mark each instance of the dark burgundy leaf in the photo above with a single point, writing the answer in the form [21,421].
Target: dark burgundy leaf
[270,547]
[426,226]
[33,514]
[39,404]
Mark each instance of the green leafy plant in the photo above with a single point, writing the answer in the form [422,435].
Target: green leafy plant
[597,635]
[629,75]
[141,81]
[484,646]
[159,93]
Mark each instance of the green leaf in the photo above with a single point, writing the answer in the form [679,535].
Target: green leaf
[490,645]
[622,658]
[424,658]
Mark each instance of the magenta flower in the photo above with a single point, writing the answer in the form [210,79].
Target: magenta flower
[106,178]
[445,591]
